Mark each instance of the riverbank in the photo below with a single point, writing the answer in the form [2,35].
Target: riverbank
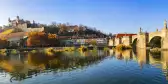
[54,49]
[122,47]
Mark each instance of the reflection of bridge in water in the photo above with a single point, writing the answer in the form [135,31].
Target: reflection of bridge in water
[142,56]
[144,39]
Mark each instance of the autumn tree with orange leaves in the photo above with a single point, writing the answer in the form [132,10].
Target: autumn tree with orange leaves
[41,39]
[52,40]
[36,39]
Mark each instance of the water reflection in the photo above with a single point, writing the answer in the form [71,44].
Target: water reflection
[23,66]
[143,57]
[26,65]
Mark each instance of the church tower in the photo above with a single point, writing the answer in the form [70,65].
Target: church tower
[9,20]
[17,19]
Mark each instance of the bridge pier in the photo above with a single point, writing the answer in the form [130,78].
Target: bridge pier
[127,40]
[142,40]
[164,43]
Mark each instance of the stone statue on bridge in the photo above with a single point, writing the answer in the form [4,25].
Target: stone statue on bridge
[140,30]
[165,24]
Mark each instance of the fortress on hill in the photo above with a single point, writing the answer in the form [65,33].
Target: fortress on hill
[24,25]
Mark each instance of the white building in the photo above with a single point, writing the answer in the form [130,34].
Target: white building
[14,39]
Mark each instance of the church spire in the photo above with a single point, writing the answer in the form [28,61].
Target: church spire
[165,24]
[9,20]
[140,30]
[17,17]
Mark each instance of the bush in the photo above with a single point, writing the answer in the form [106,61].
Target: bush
[2,50]
[49,50]
[69,49]
[33,51]
[83,48]
[14,51]
[106,48]
[122,47]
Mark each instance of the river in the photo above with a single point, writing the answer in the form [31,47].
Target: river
[91,67]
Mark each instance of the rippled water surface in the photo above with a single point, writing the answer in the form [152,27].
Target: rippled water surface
[92,67]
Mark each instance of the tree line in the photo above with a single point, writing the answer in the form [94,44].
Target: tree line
[67,29]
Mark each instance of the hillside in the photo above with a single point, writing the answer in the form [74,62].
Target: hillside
[8,31]
[79,31]
[73,30]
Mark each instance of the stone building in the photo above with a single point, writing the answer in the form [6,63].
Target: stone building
[16,39]
[16,31]
[25,25]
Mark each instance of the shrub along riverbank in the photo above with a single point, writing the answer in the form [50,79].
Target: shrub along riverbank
[122,47]
[52,50]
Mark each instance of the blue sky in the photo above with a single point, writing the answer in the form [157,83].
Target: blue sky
[113,16]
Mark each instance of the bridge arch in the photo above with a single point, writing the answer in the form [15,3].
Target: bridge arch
[155,41]
[134,37]
[154,34]
[134,42]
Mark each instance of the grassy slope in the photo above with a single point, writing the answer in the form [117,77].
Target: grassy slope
[7,31]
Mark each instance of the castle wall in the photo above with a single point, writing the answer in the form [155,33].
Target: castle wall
[22,25]
[35,29]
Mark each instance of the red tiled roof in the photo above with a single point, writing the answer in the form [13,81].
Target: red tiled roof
[121,35]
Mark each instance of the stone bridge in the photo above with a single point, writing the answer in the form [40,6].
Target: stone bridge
[143,39]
